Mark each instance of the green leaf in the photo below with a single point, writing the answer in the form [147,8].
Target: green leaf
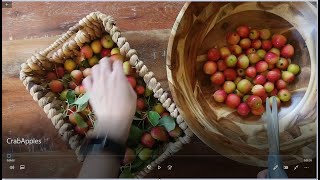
[168,123]
[82,100]
[137,119]
[81,107]
[153,118]
[148,127]
[137,163]
[79,121]
[67,77]
[155,153]
[99,56]
[71,97]
[65,84]
[85,63]
[134,135]
[126,174]
[138,149]
[138,113]
[148,162]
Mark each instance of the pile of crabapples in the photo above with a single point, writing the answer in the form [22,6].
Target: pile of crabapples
[152,125]
[66,80]
[253,66]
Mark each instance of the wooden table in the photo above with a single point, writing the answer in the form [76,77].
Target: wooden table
[30,27]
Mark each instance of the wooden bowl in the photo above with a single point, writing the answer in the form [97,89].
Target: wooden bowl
[201,26]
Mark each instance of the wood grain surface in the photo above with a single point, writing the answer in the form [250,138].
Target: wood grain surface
[29,27]
[39,19]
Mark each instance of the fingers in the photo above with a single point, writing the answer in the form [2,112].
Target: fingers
[96,72]
[105,65]
[118,67]
[87,83]
[132,90]
[263,174]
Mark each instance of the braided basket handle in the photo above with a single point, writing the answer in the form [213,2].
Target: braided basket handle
[72,30]
[88,28]
[106,20]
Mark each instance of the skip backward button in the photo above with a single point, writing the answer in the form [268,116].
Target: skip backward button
[150,168]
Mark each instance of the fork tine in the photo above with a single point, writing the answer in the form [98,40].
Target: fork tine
[268,110]
[268,113]
[275,119]
[274,108]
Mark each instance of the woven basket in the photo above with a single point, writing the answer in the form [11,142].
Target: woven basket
[91,27]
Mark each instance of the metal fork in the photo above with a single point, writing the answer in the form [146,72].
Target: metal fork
[275,165]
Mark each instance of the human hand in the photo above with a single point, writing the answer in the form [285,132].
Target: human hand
[112,98]
[263,174]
